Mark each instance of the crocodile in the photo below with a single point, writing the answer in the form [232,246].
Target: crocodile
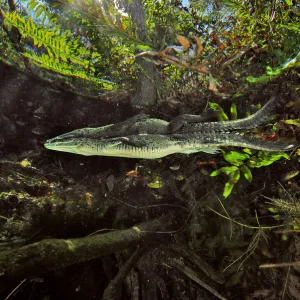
[149,138]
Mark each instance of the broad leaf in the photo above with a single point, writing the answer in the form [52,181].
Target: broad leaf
[220,112]
[233,112]
[293,122]
[233,179]
[235,158]
[247,173]
[226,170]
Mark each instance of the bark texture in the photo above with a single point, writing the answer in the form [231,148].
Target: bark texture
[148,86]
[50,254]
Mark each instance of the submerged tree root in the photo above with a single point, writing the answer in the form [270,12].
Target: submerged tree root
[114,289]
[47,255]
[188,272]
[198,262]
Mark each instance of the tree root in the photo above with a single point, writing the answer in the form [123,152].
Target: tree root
[114,289]
[47,255]
[180,266]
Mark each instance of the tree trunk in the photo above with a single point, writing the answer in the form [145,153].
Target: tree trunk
[148,86]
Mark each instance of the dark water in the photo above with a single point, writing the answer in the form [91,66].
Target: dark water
[65,196]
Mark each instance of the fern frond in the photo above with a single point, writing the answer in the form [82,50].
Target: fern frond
[42,9]
[55,44]
[53,41]
[291,208]
[236,6]
[65,57]
[53,64]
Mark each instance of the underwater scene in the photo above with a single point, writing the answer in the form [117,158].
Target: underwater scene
[149,149]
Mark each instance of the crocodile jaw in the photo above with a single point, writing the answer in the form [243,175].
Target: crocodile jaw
[63,147]
[110,149]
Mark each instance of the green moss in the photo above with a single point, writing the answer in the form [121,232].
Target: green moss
[71,245]
[20,195]
[25,163]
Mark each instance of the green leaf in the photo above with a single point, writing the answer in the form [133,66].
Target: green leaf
[290,175]
[247,150]
[265,159]
[235,158]
[143,47]
[274,127]
[276,217]
[235,176]
[228,189]
[32,5]
[226,170]
[293,122]
[39,11]
[233,112]
[285,156]
[273,72]
[247,173]
[156,183]
[260,79]
[220,112]
[273,210]
[289,2]
[233,179]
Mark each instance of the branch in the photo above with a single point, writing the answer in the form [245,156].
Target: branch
[11,4]
[179,265]
[46,255]
[240,54]
[180,63]
[114,289]
[198,262]
[280,265]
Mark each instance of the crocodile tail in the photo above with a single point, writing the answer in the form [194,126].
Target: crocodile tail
[202,140]
[253,142]
[259,118]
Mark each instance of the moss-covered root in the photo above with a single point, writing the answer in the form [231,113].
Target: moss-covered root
[46,255]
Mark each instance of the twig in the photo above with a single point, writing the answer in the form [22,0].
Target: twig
[280,265]
[248,252]
[11,4]
[101,230]
[15,289]
[287,231]
[173,231]
[227,217]
[181,63]
[177,264]
[255,239]
[240,54]
[148,206]
[196,260]
[114,289]
[285,283]
[245,225]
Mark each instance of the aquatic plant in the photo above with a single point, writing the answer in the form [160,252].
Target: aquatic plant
[241,162]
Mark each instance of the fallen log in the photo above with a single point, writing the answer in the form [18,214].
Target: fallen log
[50,254]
